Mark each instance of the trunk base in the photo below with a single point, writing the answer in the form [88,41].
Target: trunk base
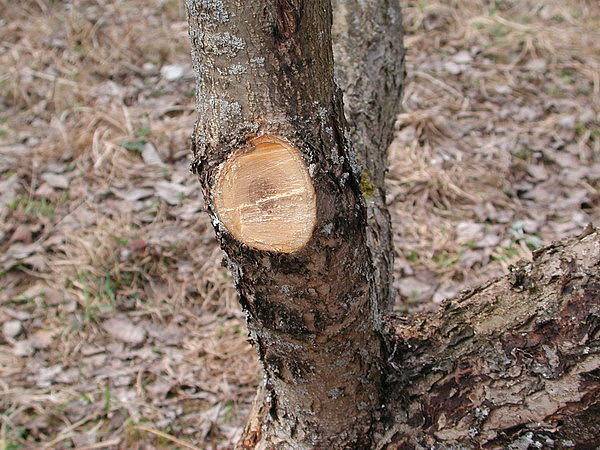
[514,363]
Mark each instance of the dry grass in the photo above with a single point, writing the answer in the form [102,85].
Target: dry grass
[498,152]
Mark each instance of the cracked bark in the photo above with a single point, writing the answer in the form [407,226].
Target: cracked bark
[266,68]
[514,362]
[369,68]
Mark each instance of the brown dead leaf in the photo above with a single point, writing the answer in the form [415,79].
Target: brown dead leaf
[124,330]
[41,339]
[55,180]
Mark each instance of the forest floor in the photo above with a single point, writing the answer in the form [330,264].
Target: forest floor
[120,328]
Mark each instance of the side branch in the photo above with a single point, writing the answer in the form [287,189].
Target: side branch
[516,360]
[369,69]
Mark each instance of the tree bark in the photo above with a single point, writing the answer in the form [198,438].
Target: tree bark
[514,363]
[369,68]
[265,71]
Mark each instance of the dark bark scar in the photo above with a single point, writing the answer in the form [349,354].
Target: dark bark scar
[288,18]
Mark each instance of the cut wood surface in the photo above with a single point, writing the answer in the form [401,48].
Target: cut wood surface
[265,198]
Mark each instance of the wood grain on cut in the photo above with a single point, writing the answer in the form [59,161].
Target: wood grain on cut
[265,198]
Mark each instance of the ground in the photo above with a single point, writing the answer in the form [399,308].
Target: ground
[119,326]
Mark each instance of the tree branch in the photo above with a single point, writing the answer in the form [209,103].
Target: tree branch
[514,360]
[369,68]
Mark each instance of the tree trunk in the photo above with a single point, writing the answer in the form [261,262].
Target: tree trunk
[369,68]
[302,220]
[273,157]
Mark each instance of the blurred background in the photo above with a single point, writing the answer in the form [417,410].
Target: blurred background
[120,328]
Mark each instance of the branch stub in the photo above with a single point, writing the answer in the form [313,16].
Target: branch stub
[265,197]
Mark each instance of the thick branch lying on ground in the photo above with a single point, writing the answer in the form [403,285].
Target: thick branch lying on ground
[512,362]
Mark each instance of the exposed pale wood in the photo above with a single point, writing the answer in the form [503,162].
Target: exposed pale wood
[252,433]
[265,197]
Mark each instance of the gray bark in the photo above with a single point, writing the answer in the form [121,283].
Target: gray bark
[369,68]
[514,363]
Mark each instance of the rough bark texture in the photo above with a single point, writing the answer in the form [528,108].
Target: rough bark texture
[266,67]
[513,364]
[369,68]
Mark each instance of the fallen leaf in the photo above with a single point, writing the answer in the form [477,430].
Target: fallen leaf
[18,314]
[452,68]
[414,289]
[124,330]
[41,339]
[19,252]
[536,65]
[44,191]
[468,232]
[11,329]
[56,167]
[85,439]
[55,180]
[172,193]
[445,291]
[68,376]
[54,296]
[190,210]
[503,89]
[133,195]
[23,348]
[159,388]
[565,159]
[567,122]
[21,234]
[151,156]
[489,240]
[470,257]
[45,376]
[575,199]
[528,114]
[8,190]
[172,72]
[462,57]
[537,171]
[170,335]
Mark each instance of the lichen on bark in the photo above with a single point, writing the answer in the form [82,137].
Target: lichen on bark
[317,303]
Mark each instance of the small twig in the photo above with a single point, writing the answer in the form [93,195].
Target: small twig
[440,83]
[100,444]
[52,78]
[68,432]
